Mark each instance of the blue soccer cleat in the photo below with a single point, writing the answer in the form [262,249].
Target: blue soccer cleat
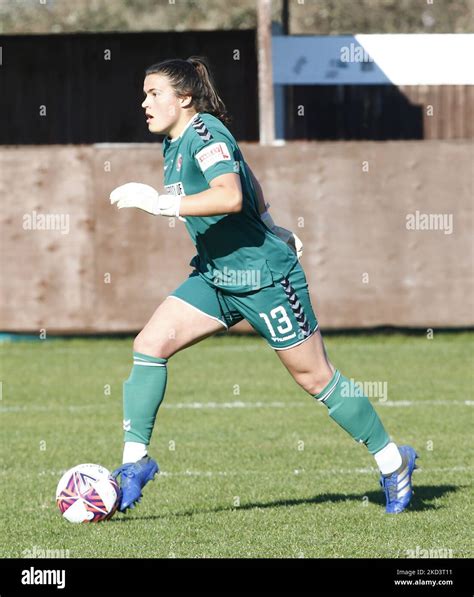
[397,486]
[135,475]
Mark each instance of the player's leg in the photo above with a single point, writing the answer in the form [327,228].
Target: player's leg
[352,410]
[191,314]
[174,326]
[310,368]
[283,315]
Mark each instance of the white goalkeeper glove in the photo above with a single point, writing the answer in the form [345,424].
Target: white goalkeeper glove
[286,236]
[145,197]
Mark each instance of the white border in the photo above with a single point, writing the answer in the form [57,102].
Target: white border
[146,364]
[297,343]
[203,312]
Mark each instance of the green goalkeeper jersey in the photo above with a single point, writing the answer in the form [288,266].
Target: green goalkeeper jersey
[235,252]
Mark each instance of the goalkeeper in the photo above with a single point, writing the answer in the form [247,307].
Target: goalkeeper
[246,267]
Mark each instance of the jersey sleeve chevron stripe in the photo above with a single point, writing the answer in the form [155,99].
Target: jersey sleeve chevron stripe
[202,129]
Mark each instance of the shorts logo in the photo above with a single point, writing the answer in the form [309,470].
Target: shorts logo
[216,152]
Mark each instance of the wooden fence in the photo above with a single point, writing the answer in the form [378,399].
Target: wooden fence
[387,229]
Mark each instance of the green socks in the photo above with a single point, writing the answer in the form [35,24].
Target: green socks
[353,412]
[142,395]
[144,390]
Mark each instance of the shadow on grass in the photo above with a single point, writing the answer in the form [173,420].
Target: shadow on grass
[422,498]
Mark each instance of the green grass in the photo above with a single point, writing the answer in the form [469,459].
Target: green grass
[238,483]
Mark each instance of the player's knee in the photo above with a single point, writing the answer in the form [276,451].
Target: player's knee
[153,347]
[314,382]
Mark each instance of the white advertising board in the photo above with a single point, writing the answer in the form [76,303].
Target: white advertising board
[399,59]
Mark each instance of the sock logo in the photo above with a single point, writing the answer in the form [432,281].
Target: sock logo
[127,424]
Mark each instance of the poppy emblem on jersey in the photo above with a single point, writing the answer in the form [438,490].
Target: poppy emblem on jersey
[179,163]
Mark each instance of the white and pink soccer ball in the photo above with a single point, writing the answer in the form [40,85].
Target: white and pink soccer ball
[87,493]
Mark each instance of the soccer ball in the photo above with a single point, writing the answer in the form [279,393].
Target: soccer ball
[87,493]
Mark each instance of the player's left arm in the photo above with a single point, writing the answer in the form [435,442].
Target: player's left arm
[262,205]
[287,236]
[223,197]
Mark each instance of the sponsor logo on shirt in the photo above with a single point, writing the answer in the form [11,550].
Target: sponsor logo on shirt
[216,152]
[176,188]
[179,162]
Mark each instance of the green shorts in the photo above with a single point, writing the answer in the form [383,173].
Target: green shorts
[281,313]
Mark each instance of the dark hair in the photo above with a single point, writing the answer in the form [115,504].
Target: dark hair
[192,77]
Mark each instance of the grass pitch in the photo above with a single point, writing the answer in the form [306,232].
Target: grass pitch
[251,465]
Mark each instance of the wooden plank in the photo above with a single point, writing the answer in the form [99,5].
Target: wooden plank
[265,73]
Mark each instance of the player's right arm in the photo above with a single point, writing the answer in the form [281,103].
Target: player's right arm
[287,236]
[262,206]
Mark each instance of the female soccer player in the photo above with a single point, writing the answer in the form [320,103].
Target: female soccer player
[245,267]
